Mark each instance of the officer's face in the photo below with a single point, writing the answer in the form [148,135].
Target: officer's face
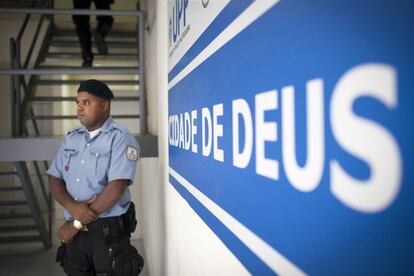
[92,111]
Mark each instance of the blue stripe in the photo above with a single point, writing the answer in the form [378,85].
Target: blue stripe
[250,261]
[227,15]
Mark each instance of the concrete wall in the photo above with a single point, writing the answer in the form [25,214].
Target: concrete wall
[152,171]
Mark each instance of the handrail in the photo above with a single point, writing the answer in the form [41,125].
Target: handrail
[17,88]
[29,88]
[12,85]
[26,20]
[72,12]
[30,52]
[74,71]
[23,27]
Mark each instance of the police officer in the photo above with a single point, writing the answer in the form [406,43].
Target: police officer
[89,178]
[84,32]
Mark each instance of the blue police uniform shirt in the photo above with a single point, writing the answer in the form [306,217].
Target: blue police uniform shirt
[88,165]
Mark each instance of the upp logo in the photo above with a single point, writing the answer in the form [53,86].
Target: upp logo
[178,20]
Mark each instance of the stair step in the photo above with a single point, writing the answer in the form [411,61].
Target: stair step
[13,204]
[75,50]
[76,82]
[64,39]
[73,117]
[16,216]
[69,55]
[111,44]
[111,34]
[16,228]
[76,70]
[8,173]
[14,239]
[10,189]
[72,99]
[120,68]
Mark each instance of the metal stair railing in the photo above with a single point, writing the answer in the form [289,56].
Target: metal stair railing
[18,82]
[19,128]
[28,92]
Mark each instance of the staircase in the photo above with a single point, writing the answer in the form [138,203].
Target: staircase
[22,219]
[43,104]
[119,69]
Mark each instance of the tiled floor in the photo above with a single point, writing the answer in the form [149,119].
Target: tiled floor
[31,259]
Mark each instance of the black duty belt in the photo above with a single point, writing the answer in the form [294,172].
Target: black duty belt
[99,223]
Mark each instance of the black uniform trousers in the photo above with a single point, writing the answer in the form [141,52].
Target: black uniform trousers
[103,250]
[82,23]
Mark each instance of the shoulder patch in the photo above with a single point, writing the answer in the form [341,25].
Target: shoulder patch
[132,153]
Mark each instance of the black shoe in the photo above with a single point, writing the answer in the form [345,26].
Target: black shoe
[87,60]
[100,42]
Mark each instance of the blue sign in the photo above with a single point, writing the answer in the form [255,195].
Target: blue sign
[291,134]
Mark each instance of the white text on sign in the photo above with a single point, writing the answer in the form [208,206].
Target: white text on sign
[362,138]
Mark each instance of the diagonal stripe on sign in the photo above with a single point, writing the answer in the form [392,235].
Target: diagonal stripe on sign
[273,259]
[247,17]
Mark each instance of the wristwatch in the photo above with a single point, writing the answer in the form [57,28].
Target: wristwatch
[77,224]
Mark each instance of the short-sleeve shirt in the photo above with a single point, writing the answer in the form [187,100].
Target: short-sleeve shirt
[88,165]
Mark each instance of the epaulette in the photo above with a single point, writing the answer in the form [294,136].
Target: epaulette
[73,130]
[122,128]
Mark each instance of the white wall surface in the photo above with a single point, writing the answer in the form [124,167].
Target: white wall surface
[152,171]
[176,240]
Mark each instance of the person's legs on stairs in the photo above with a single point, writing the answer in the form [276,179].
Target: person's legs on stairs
[84,32]
[104,25]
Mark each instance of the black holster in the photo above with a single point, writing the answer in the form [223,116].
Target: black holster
[130,218]
[60,254]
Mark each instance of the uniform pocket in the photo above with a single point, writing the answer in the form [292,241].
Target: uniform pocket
[100,161]
[68,159]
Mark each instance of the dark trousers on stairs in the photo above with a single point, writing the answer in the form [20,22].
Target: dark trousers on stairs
[82,23]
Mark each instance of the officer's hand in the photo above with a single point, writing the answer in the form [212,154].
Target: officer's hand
[82,212]
[67,232]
